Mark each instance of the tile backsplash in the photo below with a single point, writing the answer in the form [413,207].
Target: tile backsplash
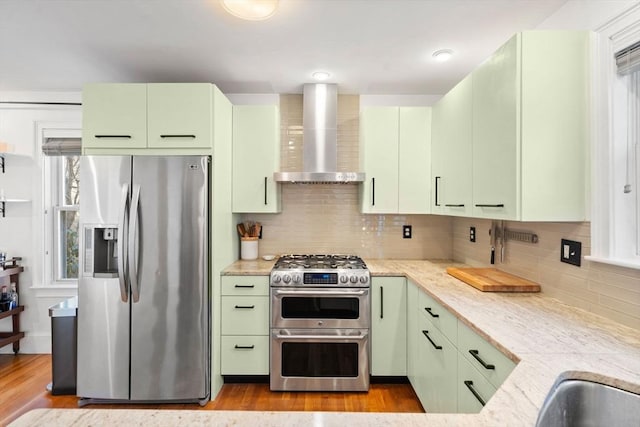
[326,218]
[610,291]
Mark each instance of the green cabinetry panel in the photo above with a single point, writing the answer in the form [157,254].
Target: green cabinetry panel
[388,326]
[256,156]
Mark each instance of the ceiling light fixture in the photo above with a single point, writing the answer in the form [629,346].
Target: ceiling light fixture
[252,10]
[321,75]
[442,55]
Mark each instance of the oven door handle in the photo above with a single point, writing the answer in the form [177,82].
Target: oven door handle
[322,337]
[322,293]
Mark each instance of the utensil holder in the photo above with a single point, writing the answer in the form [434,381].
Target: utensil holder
[248,248]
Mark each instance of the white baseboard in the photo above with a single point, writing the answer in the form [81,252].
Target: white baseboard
[31,344]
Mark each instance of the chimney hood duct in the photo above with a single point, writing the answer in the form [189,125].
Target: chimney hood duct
[320,139]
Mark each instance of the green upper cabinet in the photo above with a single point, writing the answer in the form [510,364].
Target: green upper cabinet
[451,151]
[256,156]
[395,149]
[389,326]
[414,167]
[114,116]
[530,128]
[179,115]
[379,151]
[155,118]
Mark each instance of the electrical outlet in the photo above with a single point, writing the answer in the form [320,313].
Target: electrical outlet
[570,252]
[472,234]
[406,231]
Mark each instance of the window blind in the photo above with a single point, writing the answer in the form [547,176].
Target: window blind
[628,59]
[53,146]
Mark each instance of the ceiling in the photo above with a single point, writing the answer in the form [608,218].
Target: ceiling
[368,46]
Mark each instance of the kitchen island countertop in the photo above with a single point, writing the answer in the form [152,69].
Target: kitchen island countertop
[548,339]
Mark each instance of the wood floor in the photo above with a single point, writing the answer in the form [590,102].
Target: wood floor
[23,379]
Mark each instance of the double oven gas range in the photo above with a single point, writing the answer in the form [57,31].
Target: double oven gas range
[320,320]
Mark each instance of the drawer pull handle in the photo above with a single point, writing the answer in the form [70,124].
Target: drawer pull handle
[436,346]
[178,136]
[113,136]
[245,347]
[428,310]
[499,205]
[472,389]
[455,206]
[246,306]
[244,286]
[484,364]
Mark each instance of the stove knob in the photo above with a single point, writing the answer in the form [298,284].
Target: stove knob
[296,278]
[276,278]
[363,279]
[344,279]
[353,279]
[286,278]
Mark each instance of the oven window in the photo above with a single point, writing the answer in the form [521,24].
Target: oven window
[319,359]
[299,307]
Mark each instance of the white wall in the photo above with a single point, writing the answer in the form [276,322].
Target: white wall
[21,231]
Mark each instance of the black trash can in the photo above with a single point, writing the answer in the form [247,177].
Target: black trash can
[64,332]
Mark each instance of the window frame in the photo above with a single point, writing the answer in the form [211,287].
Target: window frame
[52,191]
[607,229]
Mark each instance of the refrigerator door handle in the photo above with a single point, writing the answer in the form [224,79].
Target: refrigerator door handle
[133,238]
[122,250]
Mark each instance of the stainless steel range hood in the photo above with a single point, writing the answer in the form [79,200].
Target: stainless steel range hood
[320,139]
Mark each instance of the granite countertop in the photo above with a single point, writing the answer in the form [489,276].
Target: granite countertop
[547,338]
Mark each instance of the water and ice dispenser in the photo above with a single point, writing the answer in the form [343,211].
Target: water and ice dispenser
[101,252]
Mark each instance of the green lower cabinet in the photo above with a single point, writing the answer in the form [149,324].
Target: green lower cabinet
[474,390]
[388,326]
[437,369]
[244,355]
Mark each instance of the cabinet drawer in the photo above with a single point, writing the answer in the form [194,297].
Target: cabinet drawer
[436,370]
[469,341]
[470,380]
[439,316]
[244,355]
[245,315]
[245,285]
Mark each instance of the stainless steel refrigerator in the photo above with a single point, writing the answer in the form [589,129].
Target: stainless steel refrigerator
[143,294]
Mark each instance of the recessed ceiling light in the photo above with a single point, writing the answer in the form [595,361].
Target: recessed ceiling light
[442,55]
[252,10]
[321,75]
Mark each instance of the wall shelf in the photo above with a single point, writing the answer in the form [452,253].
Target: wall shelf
[4,201]
[10,273]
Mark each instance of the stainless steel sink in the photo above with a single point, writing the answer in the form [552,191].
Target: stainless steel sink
[584,403]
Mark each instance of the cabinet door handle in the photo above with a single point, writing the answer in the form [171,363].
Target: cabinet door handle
[485,365]
[113,136]
[244,286]
[500,205]
[428,310]
[381,302]
[265,190]
[373,191]
[245,347]
[472,389]
[455,206]
[178,136]
[437,182]
[249,307]
[436,346]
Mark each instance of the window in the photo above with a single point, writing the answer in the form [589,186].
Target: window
[61,199]
[615,221]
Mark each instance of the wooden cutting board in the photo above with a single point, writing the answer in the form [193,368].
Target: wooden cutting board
[493,280]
